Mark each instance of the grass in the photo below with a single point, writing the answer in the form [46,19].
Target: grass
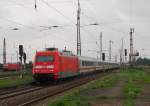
[75,98]
[131,89]
[13,73]
[135,78]
[135,74]
[72,100]
[15,81]
[107,81]
[129,102]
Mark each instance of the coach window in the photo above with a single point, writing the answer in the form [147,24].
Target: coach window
[84,63]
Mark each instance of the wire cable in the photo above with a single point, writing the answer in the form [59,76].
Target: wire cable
[50,6]
[8,20]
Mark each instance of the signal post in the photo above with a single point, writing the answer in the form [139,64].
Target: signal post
[22,55]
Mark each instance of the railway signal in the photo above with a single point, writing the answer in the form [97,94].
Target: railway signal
[21,50]
[24,57]
[103,56]
[125,52]
[20,57]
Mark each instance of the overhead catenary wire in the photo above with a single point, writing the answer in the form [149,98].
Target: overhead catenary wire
[61,2]
[56,11]
[131,13]
[52,7]
[55,35]
[8,20]
[103,23]
[12,21]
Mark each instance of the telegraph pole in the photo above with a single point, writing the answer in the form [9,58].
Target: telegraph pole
[78,31]
[122,51]
[101,46]
[4,51]
[125,54]
[17,61]
[116,56]
[110,42]
[131,46]
[122,54]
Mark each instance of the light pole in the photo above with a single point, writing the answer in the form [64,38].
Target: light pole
[101,46]
[110,49]
[4,51]
[17,61]
[131,47]
[78,31]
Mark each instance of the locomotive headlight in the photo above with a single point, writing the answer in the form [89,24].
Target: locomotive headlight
[50,66]
[38,66]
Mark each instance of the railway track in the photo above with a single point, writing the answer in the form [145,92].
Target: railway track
[8,98]
[8,77]
[12,90]
[30,96]
[17,92]
[1,78]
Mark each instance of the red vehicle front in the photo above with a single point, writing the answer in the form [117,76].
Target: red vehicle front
[44,65]
[54,65]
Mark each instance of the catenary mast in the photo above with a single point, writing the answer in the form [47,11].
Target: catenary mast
[78,31]
[4,51]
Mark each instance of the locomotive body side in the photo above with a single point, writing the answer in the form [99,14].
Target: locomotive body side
[69,66]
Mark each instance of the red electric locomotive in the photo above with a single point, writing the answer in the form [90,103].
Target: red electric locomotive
[12,67]
[53,64]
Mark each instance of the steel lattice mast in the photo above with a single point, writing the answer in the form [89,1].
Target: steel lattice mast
[78,31]
[131,46]
[4,51]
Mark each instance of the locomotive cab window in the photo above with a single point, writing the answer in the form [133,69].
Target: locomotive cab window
[45,59]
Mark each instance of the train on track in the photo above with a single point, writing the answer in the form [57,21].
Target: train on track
[12,67]
[52,64]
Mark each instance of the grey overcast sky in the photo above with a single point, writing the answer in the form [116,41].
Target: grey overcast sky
[115,18]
